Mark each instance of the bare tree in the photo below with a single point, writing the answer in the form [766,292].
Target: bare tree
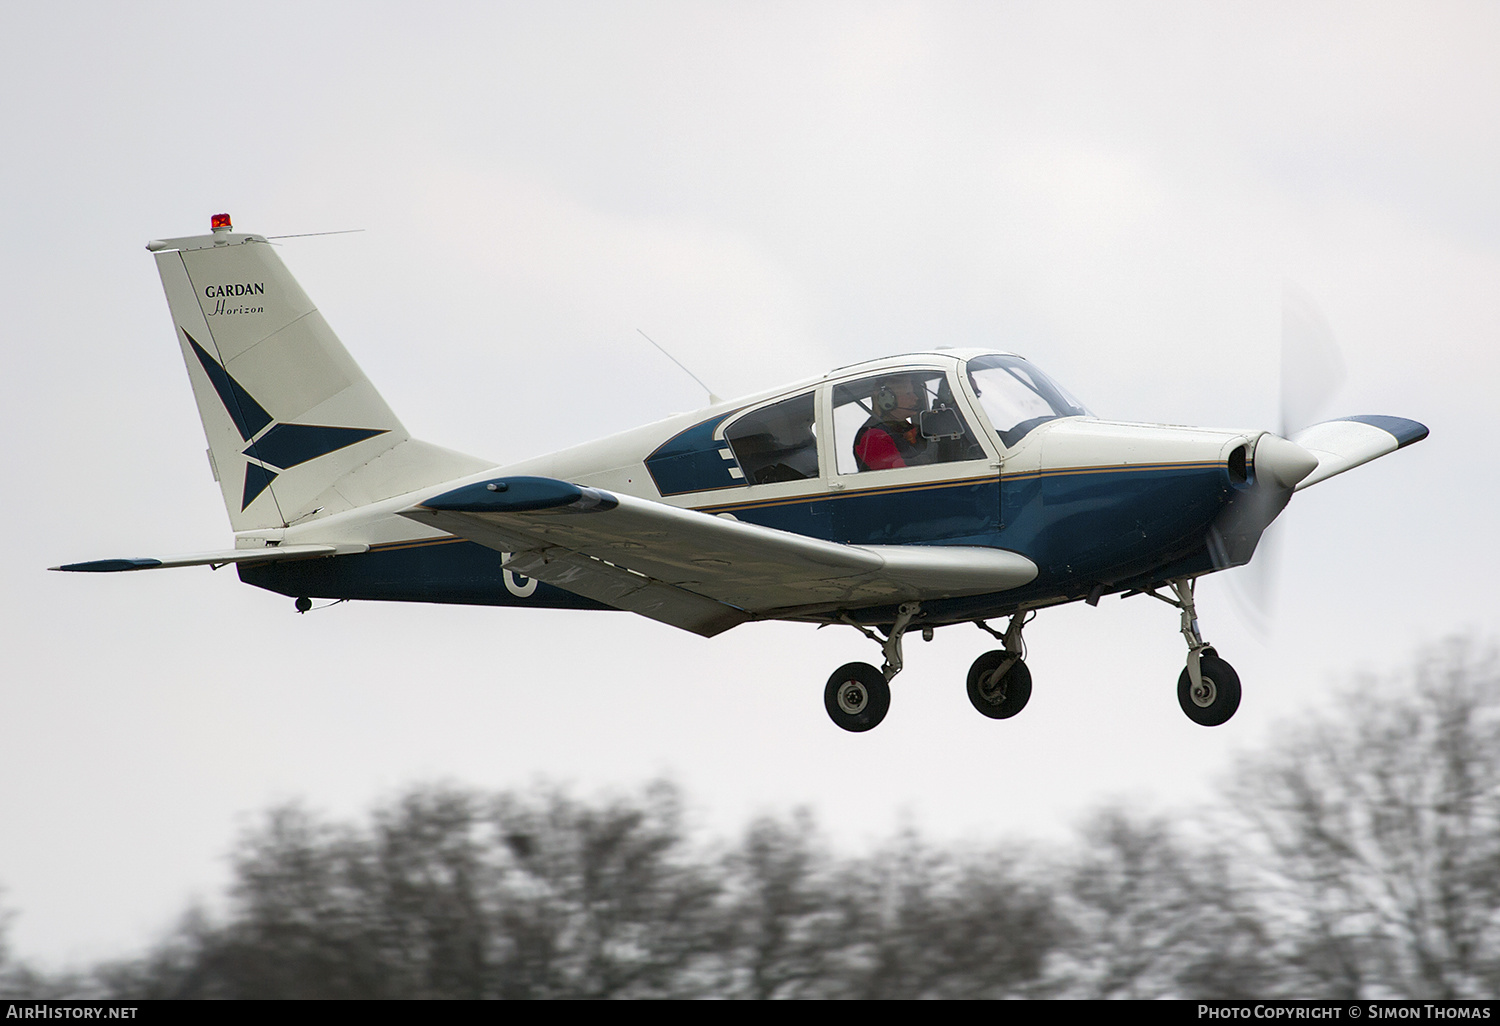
[1379,835]
[451,894]
[1154,915]
[929,924]
[784,926]
[602,902]
[303,925]
[20,980]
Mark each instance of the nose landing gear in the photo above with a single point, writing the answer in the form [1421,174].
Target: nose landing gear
[1216,695]
[1208,688]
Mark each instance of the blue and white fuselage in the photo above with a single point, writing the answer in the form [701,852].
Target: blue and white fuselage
[1089,503]
[909,492]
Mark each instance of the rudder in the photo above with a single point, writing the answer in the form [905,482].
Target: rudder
[287,412]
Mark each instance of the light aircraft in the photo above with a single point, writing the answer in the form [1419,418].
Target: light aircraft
[909,493]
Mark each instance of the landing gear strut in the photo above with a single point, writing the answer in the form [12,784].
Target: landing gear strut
[858,695]
[1208,689]
[999,682]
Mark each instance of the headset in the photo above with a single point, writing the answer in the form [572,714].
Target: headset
[885,400]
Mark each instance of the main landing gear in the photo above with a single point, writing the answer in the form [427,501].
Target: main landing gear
[1208,688]
[999,682]
[858,695]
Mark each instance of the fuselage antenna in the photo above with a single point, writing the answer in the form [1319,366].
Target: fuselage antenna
[308,235]
[712,399]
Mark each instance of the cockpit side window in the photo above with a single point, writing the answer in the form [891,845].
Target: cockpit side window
[777,442]
[1016,396]
[900,419]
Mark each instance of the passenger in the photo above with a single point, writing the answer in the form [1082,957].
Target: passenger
[892,436]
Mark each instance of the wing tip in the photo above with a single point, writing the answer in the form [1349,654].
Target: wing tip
[1406,432]
[108,566]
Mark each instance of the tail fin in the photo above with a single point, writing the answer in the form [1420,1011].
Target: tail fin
[294,427]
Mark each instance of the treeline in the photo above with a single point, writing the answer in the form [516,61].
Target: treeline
[1358,858]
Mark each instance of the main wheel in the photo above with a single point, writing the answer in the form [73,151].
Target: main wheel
[1218,698]
[1008,695]
[857,696]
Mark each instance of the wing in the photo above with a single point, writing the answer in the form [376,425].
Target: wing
[106,566]
[1342,445]
[696,571]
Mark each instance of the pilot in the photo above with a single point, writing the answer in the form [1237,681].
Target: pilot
[892,436]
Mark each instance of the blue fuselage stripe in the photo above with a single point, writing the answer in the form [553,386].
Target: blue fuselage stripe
[447,570]
[1082,527]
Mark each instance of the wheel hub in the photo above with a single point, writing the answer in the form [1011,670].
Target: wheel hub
[1204,695]
[853,697]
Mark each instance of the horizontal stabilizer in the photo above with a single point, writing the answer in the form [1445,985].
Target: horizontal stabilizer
[697,571]
[266,555]
[1344,444]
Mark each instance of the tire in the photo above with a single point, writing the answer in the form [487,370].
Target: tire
[1220,696]
[1009,695]
[857,697]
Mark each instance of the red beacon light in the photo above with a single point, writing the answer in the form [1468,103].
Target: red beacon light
[220,221]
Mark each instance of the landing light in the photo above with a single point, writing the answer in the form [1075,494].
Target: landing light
[220,221]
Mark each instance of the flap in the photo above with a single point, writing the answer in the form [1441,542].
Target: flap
[666,562]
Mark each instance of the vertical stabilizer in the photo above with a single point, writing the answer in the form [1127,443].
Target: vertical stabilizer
[288,413]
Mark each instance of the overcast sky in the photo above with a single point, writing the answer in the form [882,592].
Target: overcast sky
[1117,191]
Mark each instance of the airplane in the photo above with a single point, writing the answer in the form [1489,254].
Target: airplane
[952,486]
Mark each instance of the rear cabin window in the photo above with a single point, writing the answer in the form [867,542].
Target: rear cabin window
[777,442]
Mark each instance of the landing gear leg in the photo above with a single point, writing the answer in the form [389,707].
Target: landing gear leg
[1208,689]
[858,695]
[891,647]
[999,683]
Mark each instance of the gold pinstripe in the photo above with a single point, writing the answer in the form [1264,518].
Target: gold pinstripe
[889,490]
[965,481]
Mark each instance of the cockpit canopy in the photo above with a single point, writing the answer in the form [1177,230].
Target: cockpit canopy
[868,419]
[1017,396]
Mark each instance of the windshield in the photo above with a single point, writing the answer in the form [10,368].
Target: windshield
[1016,396]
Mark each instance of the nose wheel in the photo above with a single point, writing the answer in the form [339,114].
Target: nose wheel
[1208,689]
[1215,697]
